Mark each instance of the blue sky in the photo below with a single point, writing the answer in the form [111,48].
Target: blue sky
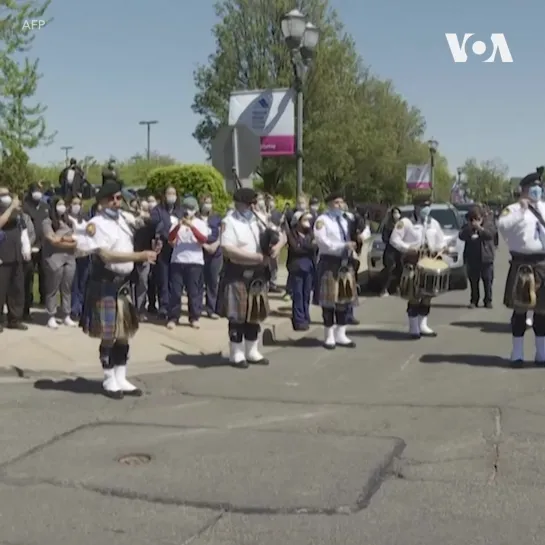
[108,64]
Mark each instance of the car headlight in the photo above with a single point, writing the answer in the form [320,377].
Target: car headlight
[452,246]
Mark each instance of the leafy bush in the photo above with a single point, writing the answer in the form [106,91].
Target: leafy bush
[196,180]
[15,173]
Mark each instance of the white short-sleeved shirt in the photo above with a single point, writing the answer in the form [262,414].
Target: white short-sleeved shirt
[105,233]
[187,249]
[521,230]
[331,235]
[239,232]
[412,236]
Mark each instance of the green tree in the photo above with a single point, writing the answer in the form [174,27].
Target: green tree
[22,126]
[251,54]
[486,181]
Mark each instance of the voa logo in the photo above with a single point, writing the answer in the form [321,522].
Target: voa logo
[479,48]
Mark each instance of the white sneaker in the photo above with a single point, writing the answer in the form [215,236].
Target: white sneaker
[236,354]
[69,322]
[341,338]
[252,353]
[110,385]
[425,329]
[125,386]
[171,325]
[52,323]
[329,338]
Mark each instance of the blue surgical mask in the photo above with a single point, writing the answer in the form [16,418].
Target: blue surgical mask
[111,213]
[335,212]
[535,193]
[425,212]
[247,214]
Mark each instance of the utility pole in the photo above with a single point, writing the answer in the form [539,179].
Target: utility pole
[66,150]
[148,125]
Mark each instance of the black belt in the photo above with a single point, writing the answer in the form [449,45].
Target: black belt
[528,258]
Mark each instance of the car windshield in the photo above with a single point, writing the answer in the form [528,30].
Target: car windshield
[447,218]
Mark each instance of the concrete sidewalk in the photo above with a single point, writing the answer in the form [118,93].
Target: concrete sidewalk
[154,349]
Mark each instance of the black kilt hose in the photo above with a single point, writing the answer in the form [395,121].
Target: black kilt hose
[108,309]
[237,285]
[518,277]
[327,283]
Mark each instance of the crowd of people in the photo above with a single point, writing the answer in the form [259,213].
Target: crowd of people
[36,246]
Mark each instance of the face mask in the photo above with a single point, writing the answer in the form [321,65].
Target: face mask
[335,212]
[314,208]
[396,217]
[61,209]
[37,195]
[206,207]
[76,209]
[247,214]
[152,204]
[272,206]
[171,199]
[190,213]
[261,204]
[301,206]
[535,193]
[5,200]
[425,212]
[111,213]
[305,225]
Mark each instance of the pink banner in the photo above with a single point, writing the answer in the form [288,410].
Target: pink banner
[418,186]
[274,146]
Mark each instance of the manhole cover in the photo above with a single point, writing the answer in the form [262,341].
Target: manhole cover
[135,459]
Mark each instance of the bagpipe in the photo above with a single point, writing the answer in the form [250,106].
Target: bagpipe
[356,226]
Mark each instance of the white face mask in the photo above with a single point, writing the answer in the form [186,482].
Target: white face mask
[171,199]
[76,208]
[152,204]
[6,200]
[206,207]
[261,204]
[396,217]
[37,195]
[61,209]
[190,213]
[305,224]
[314,207]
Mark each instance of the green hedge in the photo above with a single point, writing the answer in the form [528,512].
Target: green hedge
[196,180]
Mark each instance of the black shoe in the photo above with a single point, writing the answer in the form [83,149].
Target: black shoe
[329,346]
[415,336]
[262,361]
[351,344]
[301,327]
[488,305]
[19,326]
[240,365]
[113,395]
[430,335]
[517,364]
[133,393]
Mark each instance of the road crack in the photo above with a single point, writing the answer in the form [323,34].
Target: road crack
[495,443]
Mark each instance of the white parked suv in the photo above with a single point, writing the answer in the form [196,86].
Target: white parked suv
[449,219]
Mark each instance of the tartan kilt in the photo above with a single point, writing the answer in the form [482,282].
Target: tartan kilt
[99,315]
[538,270]
[233,295]
[326,287]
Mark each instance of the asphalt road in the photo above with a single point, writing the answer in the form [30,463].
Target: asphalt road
[394,443]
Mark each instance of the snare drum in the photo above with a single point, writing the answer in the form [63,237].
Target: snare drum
[432,277]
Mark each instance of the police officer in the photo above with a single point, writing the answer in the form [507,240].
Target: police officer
[336,283]
[244,281]
[416,237]
[522,225]
[108,312]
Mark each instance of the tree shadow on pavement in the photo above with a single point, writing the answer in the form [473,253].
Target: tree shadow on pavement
[76,386]
[474,360]
[485,327]
[381,334]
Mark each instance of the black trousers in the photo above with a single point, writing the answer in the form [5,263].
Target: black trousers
[30,269]
[239,332]
[12,290]
[477,272]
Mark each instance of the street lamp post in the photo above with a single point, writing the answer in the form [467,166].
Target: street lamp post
[432,146]
[148,124]
[66,149]
[302,39]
